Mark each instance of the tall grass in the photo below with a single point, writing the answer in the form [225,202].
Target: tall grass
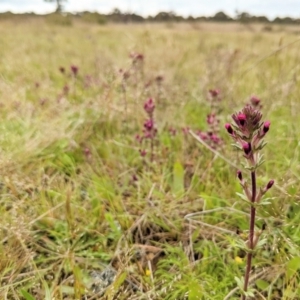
[76,195]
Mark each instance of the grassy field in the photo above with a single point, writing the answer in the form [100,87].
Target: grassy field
[83,197]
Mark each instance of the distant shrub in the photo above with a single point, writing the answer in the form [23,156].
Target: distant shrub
[6,15]
[221,17]
[59,19]
[93,18]
[17,17]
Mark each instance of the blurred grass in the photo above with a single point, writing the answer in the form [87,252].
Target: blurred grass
[69,199]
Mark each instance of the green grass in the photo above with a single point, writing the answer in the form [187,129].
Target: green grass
[68,202]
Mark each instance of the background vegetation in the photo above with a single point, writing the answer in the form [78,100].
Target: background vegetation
[78,196]
[117,16]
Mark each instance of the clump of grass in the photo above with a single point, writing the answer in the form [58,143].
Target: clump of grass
[75,196]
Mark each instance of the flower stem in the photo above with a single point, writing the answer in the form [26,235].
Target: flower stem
[152,139]
[251,233]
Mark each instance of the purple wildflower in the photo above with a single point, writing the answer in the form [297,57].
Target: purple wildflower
[149,106]
[74,70]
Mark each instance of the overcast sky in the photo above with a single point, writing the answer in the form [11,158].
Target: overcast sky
[270,8]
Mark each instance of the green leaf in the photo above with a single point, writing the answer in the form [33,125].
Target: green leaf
[240,282]
[292,190]
[243,197]
[112,223]
[178,179]
[250,293]
[47,291]
[67,290]
[241,244]
[261,243]
[292,267]
[262,284]
[26,295]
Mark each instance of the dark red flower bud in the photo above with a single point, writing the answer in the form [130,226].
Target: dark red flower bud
[87,151]
[185,130]
[136,56]
[203,135]
[138,138]
[229,128]
[211,119]
[266,126]
[172,131]
[66,89]
[242,119]
[254,100]
[214,93]
[159,78]
[247,148]
[143,152]
[239,175]
[139,56]
[270,184]
[215,139]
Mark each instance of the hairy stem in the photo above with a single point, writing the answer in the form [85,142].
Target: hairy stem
[152,139]
[152,149]
[251,233]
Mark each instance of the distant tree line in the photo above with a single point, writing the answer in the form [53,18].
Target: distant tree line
[116,16]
